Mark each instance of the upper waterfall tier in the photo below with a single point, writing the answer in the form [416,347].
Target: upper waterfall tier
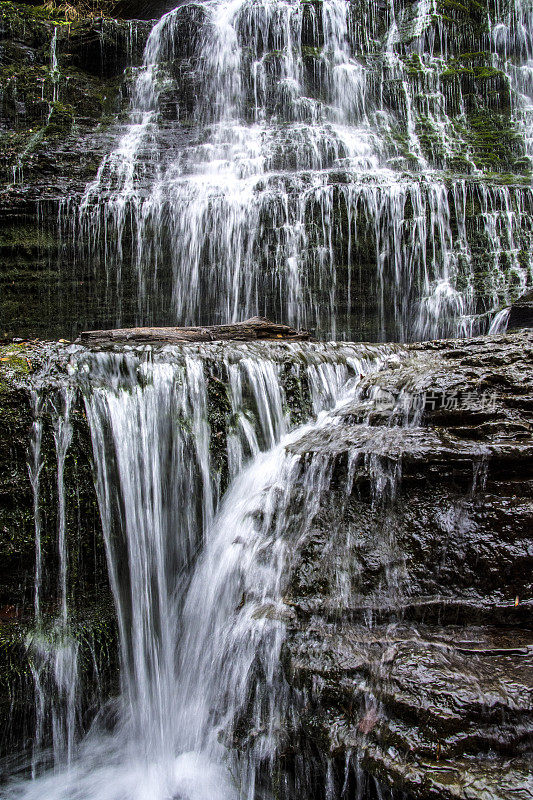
[360,170]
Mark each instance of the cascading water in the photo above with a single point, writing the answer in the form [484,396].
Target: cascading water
[287,190]
[34,469]
[54,652]
[231,687]
[161,460]
[199,634]
[62,439]
[499,323]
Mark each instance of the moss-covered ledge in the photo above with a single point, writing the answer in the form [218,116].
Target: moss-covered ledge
[62,84]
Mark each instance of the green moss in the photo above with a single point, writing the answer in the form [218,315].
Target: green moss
[14,363]
[60,120]
[413,65]
[524,259]
[37,106]
[42,13]
[494,143]
[24,239]
[488,73]
[459,163]
[454,72]
[477,66]
[311,52]
[63,14]
[467,20]
[461,8]
[512,179]
[24,92]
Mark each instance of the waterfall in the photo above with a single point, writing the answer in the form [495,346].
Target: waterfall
[305,175]
[34,469]
[52,648]
[230,684]
[499,323]
[62,439]
[54,67]
[196,580]
[325,174]
[151,435]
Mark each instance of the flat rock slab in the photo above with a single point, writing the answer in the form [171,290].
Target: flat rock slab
[250,330]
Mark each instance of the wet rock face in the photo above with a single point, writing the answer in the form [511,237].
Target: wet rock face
[31,424]
[57,122]
[89,596]
[521,314]
[153,9]
[412,591]
[49,65]
[409,643]
[62,92]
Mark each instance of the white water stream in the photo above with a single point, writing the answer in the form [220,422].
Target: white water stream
[198,583]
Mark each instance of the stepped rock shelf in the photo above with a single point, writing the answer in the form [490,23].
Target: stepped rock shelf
[407,649]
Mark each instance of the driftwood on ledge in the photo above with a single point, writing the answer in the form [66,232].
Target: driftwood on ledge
[247,331]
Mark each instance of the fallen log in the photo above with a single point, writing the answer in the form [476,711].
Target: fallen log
[254,329]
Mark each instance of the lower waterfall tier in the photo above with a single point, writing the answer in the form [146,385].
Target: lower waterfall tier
[325,549]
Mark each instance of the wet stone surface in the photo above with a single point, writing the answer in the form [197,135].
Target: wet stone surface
[412,636]
[409,645]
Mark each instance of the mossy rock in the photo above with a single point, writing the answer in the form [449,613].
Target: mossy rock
[495,145]
[60,120]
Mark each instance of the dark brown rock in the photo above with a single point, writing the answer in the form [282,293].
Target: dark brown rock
[521,315]
[412,632]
